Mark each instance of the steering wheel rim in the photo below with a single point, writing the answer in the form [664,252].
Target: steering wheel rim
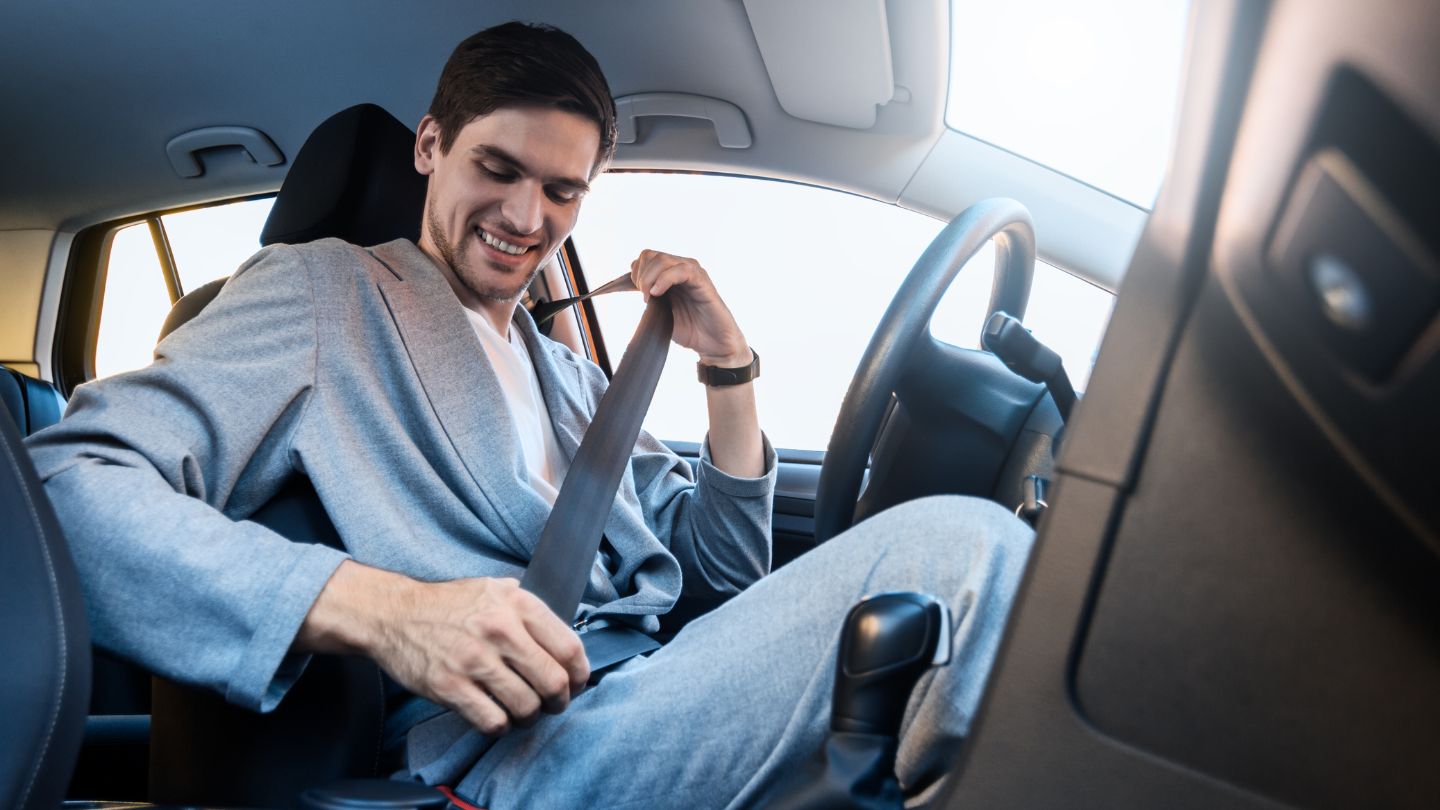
[900,332]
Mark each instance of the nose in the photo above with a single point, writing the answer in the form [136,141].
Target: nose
[523,209]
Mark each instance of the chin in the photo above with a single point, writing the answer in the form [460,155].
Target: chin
[509,285]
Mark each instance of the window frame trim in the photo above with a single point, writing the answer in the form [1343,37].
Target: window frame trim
[82,292]
[166,257]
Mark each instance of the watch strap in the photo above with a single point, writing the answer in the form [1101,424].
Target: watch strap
[715,375]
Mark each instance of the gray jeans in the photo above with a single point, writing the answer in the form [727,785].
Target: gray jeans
[741,697]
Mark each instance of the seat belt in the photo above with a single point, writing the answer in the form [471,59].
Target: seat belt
[560,565]
[565,553]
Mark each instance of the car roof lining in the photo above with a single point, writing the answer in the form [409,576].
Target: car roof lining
[281,68]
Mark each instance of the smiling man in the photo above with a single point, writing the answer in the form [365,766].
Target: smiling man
[437,424]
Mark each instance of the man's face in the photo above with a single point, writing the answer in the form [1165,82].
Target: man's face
[504,197]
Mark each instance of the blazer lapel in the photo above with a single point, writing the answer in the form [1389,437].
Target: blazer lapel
[463,390]
[562,384]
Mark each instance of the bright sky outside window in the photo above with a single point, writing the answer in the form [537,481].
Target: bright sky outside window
[1086,88]
[807,293]
[207,243]
[135,303]
[212,242]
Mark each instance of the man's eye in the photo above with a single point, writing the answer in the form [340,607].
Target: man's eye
[497,174]
[564,195]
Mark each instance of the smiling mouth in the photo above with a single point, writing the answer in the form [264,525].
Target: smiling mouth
[501,245]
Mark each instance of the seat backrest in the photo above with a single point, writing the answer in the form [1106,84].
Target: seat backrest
[190,305]
[13,398]
[119,691]
[33,404]
[353,179]
[44,639]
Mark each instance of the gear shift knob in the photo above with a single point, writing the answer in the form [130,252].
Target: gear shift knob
[888,642]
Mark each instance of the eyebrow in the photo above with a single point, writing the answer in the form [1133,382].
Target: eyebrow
[496,153]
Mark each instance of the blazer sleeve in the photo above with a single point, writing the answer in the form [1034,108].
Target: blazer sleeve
[717,525]
[149,471]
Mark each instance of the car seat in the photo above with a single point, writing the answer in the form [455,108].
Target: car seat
[353,179]
[44,637]
[116,740]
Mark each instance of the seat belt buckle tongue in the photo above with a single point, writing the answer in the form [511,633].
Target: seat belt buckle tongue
[608,645]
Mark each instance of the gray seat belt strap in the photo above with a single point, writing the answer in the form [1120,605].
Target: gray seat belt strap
[560,566]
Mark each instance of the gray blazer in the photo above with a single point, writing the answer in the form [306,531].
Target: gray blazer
[357,367]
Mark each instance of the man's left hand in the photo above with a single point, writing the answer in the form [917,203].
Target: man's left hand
[702,321]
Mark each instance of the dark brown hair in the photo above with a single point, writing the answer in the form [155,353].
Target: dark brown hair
[520,63]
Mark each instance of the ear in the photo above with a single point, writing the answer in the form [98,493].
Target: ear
[427,144]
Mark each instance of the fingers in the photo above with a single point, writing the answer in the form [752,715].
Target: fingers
[655,273]
[558,644]
[479,709]
[494,653]
[529,660]
[503,685]
[682,274]
[702,321]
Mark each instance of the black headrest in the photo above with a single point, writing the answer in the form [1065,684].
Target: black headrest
[355,179]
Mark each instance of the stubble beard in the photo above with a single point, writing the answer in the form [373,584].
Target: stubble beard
[460,266]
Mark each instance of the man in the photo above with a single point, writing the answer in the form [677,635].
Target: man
[436,425]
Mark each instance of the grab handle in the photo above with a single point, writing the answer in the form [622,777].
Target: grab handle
[183,149]
[731,129]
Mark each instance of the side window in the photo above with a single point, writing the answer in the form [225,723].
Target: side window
[808,272]
[155,261]
[135,302]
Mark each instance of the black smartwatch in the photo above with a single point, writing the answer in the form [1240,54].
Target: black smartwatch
[714,375]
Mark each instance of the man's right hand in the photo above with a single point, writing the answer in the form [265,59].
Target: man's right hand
[483,647]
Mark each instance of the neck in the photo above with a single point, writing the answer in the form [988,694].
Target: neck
[497,313]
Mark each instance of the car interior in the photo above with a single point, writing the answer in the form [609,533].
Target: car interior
[1231,599]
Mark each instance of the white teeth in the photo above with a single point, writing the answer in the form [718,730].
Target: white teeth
[501,244]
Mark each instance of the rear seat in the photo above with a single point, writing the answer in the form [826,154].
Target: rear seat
[114,756]
[32,403]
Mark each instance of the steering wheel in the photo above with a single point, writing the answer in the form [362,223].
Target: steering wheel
[902,341]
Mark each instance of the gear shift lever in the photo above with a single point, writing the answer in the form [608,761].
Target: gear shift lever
[887,643]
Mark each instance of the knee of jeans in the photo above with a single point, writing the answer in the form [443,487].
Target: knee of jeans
[947,522]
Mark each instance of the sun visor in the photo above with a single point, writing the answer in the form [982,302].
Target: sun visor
[828,60]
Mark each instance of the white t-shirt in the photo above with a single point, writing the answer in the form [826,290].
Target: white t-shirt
[536,434]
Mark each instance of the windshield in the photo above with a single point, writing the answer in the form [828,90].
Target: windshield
[1085,88]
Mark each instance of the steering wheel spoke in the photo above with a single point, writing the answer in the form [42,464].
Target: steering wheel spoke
[902,353]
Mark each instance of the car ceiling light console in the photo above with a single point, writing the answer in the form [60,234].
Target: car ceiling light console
[829,60]
[184,149]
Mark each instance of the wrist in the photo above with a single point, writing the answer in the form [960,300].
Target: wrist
[350,615]
[735,359]
[730,374]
